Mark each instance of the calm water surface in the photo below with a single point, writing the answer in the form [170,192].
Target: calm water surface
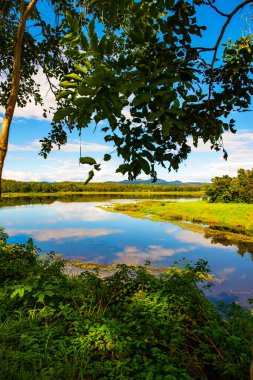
[78,229]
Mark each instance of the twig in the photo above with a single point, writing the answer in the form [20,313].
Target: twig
[217,10]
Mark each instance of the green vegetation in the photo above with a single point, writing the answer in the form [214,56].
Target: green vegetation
[232,189]
[145,58]
[237,218]
[129,325]
[11,186]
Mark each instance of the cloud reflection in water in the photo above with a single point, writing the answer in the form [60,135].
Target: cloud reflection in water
[73,234]
[134,255]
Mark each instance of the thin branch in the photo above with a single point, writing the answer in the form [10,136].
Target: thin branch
[52,86]
[201,48]
[217,10]
[229,18]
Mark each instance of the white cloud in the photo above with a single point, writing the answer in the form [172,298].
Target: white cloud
[71,147]
[126,112]
[74,234]
[57,170]
[193,237]
[69,212]
[133,255]
[32,111]
[18,175]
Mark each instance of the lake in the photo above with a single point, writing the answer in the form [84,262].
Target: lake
[75,227]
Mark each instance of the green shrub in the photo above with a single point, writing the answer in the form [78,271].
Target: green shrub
[131,325]
[231,189]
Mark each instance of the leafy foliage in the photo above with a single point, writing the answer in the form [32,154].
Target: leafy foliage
[144,58]
[129,325]
[232,189]
[40,50]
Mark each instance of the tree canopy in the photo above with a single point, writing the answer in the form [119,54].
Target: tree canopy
[112,56]
[228,189]
[29,42]
[144,59]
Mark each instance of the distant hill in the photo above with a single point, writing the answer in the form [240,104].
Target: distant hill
[159,182]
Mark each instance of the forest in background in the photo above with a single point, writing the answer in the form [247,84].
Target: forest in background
[11,186]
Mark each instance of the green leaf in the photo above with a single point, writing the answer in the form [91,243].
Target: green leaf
[166,125]
[142,98]
[93,36]
[87,161]
[87,64]
[147,154]
[62,113]
[102,45]
[41,297]
[72,21]
[144,165]
[97,167]
[74,76]
[90,176]
[67,84]
[192,98]
[107,157]
[123,168]
[80,69]
[63,94]
[113,10]
[84,42]
[87,90]
[19,291]
[180,124]
[176,103]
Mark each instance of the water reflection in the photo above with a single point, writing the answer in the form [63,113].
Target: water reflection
[137,255]
[81,231]
[63,234]
[70,198]
[194,237]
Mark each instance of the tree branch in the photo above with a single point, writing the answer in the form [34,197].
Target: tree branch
[217,10]
[229,18]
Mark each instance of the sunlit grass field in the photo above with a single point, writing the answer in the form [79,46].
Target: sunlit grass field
[235,217]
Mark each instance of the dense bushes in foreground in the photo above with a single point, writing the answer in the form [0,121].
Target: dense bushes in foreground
[232,189]
[131,325]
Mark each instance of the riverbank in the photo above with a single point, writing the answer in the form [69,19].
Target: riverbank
[231,219]
[193,194]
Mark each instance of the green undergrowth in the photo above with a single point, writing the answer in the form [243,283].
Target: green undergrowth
[131,325]
[235,218]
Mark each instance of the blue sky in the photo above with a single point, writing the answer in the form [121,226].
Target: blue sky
[28,127]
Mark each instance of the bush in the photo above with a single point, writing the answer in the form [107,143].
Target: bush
[131,325]
[228,189]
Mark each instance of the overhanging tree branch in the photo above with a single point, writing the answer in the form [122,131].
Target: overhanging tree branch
[216,47]
[217,10]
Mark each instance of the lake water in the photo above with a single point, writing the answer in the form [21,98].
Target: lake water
[75,227]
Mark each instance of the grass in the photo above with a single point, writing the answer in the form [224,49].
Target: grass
[235,218]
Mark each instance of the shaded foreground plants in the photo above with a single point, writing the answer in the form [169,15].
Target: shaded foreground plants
[129,325]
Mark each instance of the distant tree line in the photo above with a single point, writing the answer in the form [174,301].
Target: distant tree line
[228,189]
[11,186]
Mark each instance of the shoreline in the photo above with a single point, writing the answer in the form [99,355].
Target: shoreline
[193,194]
[209,220]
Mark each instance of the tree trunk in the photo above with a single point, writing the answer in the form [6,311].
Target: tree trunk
[251,367]
[7,119]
